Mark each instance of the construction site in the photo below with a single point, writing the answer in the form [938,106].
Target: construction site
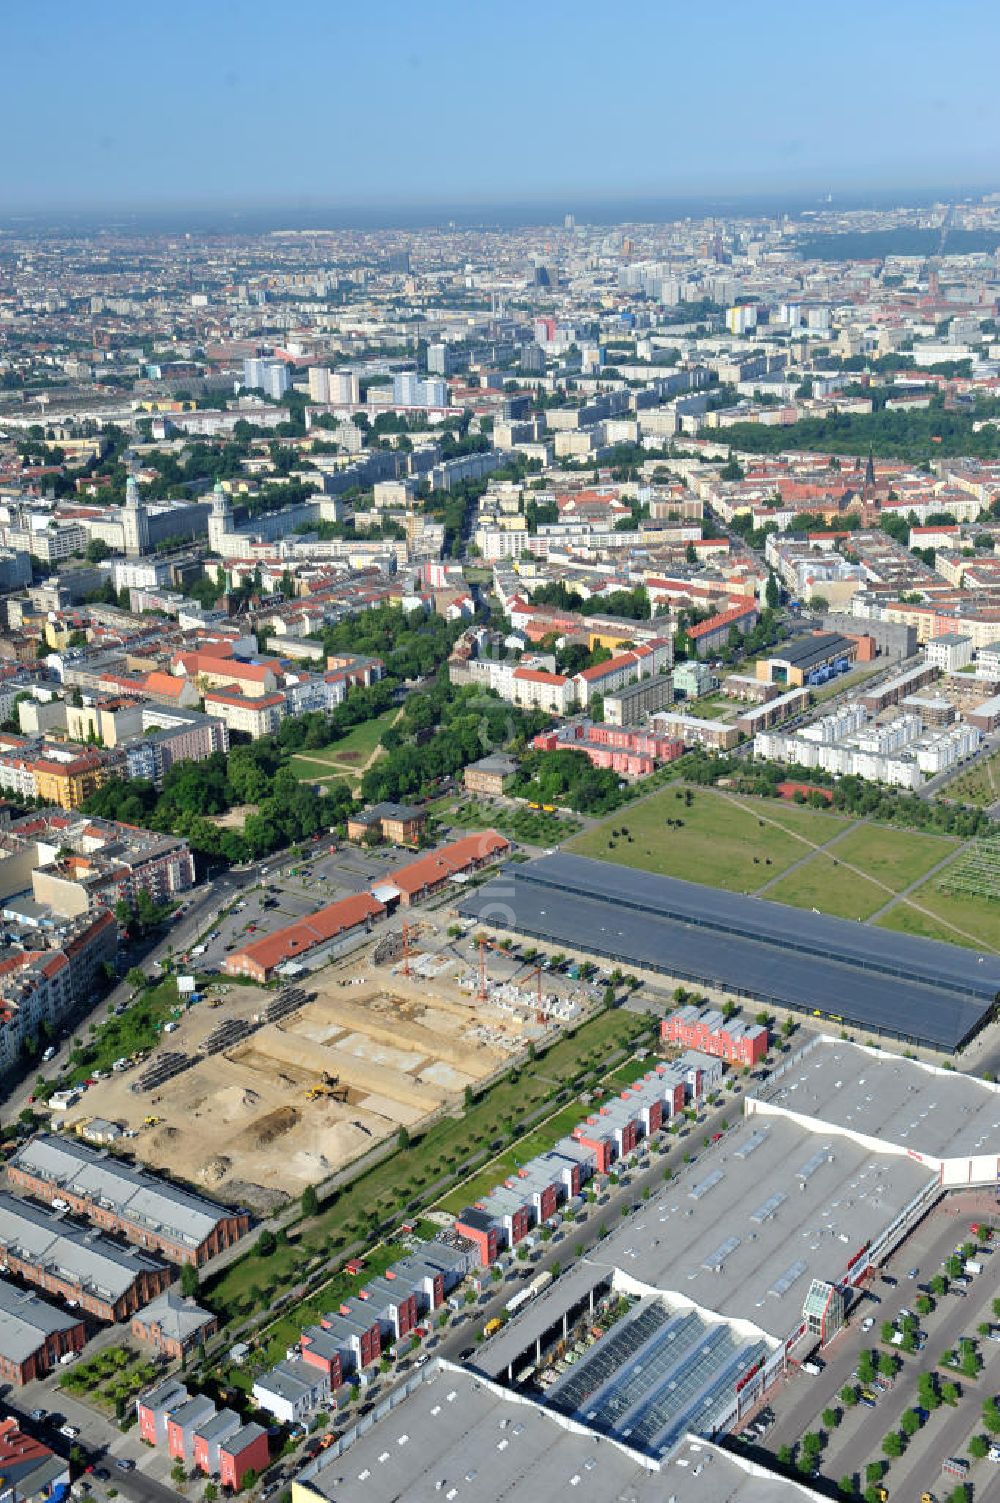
[256,1095]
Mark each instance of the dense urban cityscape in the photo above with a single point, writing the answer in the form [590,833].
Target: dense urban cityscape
[499,844]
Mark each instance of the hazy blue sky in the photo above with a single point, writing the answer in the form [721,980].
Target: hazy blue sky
[338,102]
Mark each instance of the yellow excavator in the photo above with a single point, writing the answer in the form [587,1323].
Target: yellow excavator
[330,1087]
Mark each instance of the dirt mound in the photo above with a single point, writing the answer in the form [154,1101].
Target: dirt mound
[273,1126]
[260,1199]
[215,1170]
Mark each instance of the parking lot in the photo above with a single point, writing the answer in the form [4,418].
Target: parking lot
[858,1439]
[292,888]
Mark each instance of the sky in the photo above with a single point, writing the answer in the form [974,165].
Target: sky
[465,102]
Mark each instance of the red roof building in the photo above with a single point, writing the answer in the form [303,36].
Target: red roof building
[335,923]
[421,879]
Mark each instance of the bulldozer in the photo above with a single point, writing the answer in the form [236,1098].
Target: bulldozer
[152,1121]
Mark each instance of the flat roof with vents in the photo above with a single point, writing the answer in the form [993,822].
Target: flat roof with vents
[920,1109]
[454,1439]
[775,1219]
[918,990]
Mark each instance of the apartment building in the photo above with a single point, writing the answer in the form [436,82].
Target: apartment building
[711,636]
[535,689]
[632,704]
[644,661]
[710,1031]
[632,753]
[246,715]
[196,1434]
[40,987]
[67,776]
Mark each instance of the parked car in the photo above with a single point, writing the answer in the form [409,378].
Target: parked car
[69,1431]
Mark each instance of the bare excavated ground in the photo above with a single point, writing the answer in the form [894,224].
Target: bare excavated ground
[300,1099]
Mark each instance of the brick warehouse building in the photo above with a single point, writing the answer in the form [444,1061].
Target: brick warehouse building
[114,1195]
[34,1335]
[321,933]
[97,1275]
[705,1029]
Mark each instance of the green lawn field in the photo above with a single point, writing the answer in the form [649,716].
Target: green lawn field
[829,889]
[960,919]
[724,841]
[349,754]
[893,857]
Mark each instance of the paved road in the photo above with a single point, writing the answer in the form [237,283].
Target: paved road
[202,901]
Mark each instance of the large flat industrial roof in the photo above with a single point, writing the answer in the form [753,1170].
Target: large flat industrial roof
[919,1108]
[455,1438]
[919,990]
[789,1205]
[803,652]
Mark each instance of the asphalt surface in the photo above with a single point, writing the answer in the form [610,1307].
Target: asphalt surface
[799,1405]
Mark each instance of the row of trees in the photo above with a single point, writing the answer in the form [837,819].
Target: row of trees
[632,605]
[852,794]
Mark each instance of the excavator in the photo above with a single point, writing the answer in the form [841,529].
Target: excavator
[328,1086]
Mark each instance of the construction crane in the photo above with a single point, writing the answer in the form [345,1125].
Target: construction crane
[540,1014]
[533,975]
[406,950]
[481,993]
